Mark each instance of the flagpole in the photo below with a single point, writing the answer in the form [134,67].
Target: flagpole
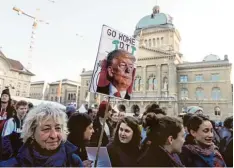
[102,131]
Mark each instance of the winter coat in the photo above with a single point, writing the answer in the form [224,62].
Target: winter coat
[157,156]
[122,155]
[81,152]
[11,142]
[228,154]
[10,112]
[226,146]
[226,137]
[27,157]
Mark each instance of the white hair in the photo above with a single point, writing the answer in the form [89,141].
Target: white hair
[44,112]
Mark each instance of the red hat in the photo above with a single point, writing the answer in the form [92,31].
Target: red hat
[102,109]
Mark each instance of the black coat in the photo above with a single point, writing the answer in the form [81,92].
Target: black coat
[105,90]
[157,157]
[123,155]
[96,135]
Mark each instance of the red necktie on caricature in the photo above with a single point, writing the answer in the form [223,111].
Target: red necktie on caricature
[117,94]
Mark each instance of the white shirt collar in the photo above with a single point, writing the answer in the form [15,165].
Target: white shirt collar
[113,90]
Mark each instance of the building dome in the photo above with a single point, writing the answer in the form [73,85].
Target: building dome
[211,57]
[155,19]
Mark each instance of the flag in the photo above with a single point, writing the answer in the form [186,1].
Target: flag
[59,91]
[82,109]
[43,91]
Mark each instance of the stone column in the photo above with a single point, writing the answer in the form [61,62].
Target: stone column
[172,79]
[145,80]
[159,79]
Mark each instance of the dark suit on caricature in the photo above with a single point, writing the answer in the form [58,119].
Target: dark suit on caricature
[106,90]
[119,72]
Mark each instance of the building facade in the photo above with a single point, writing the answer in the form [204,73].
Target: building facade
[14,76]
[70,91]
[163,77]
[39,90]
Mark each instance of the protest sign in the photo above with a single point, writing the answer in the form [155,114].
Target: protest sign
[103,157]
[115,66]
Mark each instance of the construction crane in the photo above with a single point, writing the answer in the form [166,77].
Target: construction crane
[34,28]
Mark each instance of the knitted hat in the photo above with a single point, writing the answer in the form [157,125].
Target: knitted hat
[6,91]
[70,109]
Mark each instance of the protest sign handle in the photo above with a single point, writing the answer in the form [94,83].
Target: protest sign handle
[102,132]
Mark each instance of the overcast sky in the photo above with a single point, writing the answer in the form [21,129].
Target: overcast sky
[206,27]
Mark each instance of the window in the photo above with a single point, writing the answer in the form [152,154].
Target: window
[162,41]
[217,111]
[146,43]
[52,99]
[17,93]
[199,94]
[158,42]
[154,42]
[184,93]
[199,78]
[149,42]
[215,77]
[216,94]
[69,96]
[184,78]
[52,91]
[56,98]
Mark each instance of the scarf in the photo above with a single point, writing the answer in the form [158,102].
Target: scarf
[209,154]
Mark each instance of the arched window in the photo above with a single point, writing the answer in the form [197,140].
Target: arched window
[69,96]
[154,42]
[135,109]
[199,94]
[217,111]
[158,42]
[146,43]
[162,42]
[216,94]
[17,93]
[149,42]
[184,93]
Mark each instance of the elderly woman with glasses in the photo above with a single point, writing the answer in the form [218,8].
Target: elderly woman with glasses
[44,136]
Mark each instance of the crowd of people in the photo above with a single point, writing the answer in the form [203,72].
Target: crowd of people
[45,136]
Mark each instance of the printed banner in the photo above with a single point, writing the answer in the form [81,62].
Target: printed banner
[115,66]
